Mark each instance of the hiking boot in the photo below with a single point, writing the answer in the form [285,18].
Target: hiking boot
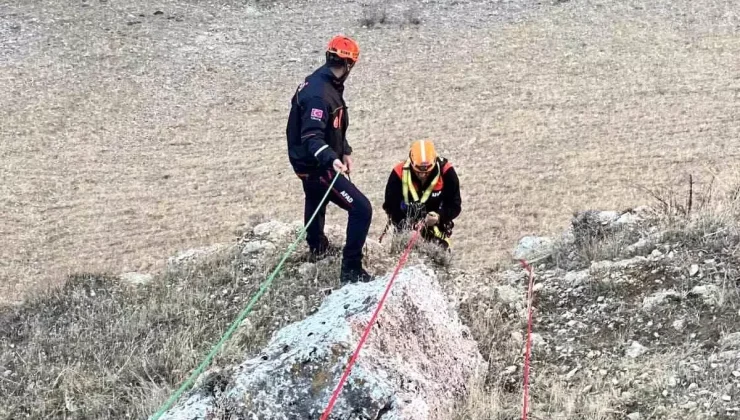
[353,272]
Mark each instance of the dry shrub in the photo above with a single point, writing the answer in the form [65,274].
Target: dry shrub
[374,14]
[709,219]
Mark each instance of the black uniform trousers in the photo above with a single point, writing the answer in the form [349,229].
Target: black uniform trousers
[345,195]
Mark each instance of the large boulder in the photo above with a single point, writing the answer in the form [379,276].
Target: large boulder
[416,360]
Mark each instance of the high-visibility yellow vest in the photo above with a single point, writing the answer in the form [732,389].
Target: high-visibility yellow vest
[408,185]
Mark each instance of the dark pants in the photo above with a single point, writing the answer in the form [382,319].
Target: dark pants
[345,195]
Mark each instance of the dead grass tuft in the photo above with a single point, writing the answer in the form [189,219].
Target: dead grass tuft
[412,16]
[711,224]
[374,14]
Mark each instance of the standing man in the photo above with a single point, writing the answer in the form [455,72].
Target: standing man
[318,150]
[424,187]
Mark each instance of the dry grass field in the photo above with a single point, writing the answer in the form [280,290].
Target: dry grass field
[129,130]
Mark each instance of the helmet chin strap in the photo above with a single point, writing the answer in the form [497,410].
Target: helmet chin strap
[347,68]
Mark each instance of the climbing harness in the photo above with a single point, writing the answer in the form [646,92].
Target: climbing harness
[408,185]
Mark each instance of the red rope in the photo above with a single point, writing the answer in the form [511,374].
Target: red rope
[370,324]
[525,407]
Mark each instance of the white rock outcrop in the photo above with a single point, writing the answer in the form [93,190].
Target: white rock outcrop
[416,360]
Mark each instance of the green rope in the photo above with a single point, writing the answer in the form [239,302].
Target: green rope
[242,314]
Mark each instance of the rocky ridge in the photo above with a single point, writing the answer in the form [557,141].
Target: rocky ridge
[417,361]
[643,318]
[634,318]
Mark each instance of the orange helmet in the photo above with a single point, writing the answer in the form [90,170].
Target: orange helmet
[345,48]
[423,155]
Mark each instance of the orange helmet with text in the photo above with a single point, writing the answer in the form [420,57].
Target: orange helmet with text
[423,156]
[344,48]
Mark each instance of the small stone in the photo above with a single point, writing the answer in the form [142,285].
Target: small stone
[693,270]
[672,382]
[656,254]
[678,324]
[693,386]
[275,230]
[691,405]
[307,270]
[7,372]
[659,298]
[246,324]
[508,294]
[510,370]
[137,279]
[600,299]
[636,350]
[257,246]
[634,416]
[575,278]
[709,293]
[736,374]
[726,398]
[537,340]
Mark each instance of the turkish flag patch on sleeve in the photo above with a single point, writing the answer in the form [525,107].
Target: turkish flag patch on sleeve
[317,114]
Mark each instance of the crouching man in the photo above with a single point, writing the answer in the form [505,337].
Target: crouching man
[424,187]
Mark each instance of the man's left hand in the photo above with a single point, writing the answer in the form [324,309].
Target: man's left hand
[347,159]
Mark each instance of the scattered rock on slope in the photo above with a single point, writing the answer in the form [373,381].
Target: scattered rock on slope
[416,359]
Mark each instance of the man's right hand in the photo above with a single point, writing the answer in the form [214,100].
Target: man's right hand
[339,166]
[431,219]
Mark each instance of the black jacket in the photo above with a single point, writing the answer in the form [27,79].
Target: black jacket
[445,198]
[317,123]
